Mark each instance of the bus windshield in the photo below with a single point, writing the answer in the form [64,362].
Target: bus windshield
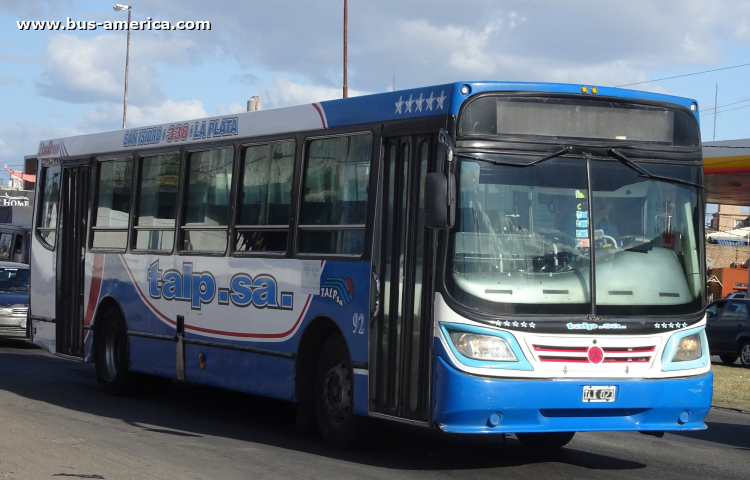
[522,241]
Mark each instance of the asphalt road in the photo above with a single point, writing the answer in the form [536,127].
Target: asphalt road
[57,422]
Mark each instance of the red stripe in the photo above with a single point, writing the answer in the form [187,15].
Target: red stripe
[320,112]
[625,360]
[628,351]
[216,332]
[561,350]
[725,171]
[565,360]
[96,286]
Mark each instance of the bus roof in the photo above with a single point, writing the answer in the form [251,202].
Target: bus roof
[381,107]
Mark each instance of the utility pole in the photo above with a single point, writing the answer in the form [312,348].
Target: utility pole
[346,87]
[118,8]
[716,110]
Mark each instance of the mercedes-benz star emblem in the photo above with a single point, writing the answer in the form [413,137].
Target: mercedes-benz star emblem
[595,355]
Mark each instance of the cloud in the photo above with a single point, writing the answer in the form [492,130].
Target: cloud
[33,9]
[284,91]
[109,117]
[8,80]
[428,42]
[20,139]
[222,109]
[5,150]
[86,70]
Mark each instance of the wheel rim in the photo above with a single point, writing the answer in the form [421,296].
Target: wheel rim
[111,352]
[746,354]
[337,392]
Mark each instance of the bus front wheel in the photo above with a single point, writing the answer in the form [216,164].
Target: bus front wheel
[547,440]
[112,354]
[334,394]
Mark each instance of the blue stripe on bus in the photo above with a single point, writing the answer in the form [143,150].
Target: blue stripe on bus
[463,403]
[448,98]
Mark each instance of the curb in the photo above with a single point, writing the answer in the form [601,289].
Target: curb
[731,409]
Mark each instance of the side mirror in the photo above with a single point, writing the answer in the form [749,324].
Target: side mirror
[439,200]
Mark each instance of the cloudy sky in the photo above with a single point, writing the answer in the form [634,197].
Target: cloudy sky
[289,52]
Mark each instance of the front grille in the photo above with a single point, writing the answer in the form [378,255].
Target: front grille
[20,310]
[579,353]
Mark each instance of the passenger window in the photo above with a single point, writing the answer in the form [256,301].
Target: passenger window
[735,312]
[110,228]
[5,243]
[265,198]
[207,200]
[334,197]
[48,211]
[713,310]
[157,202]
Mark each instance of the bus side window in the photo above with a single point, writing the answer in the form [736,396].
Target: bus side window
[50,184]
[157,202]
[110,229]
[334,197]
[207,200]
[265,188]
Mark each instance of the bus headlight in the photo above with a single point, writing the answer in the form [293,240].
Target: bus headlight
[688,348]
[482,347]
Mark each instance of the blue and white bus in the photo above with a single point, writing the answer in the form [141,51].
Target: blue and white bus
[481,257]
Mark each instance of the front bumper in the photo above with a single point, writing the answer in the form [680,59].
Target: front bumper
[13,325]
[464,403]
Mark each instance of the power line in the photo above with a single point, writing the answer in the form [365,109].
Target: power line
[722,111]
[726,105]
[685,75]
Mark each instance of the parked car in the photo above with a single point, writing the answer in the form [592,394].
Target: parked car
[728,330]
[14,299]
[15,243]
[737,295]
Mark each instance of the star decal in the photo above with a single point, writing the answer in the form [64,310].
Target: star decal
[663,325]
[532,325]
[419,103]
[671,325]
[523,324]
[498,323]
[657,325]
[409,103]
[430,100]
[684,324]
[515,324]
[440,100]
[507,323]
[399,104]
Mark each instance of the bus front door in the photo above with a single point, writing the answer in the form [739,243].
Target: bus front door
[70,259]
[402,335]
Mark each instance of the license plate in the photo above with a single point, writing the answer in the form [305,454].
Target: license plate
[599,393]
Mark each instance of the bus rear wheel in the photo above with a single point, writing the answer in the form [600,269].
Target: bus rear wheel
[546,440]
[112,354]
[334,394]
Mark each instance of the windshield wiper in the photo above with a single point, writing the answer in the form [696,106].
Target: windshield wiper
[642,172]
[562,151]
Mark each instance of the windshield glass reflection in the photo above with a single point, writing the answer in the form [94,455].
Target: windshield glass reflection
[521,241]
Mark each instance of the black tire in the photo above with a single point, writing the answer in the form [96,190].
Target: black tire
[334,394]
[547,440]
[727,359]
[745,354]
[112,357]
